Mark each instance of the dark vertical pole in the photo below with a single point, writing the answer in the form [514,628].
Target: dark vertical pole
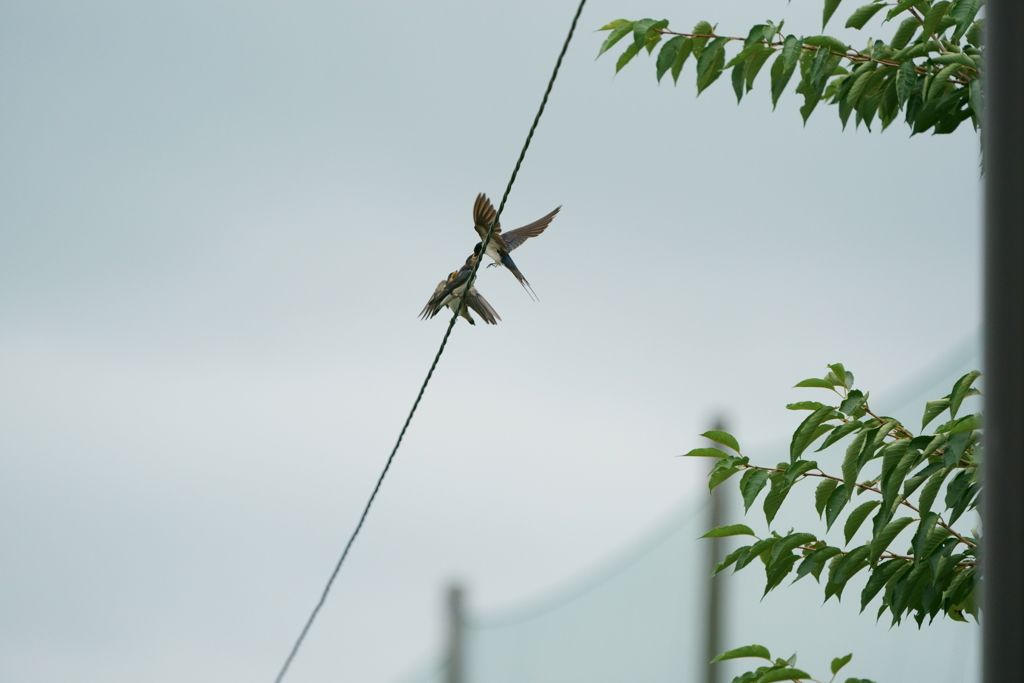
[713,615]
[454,670]
[1003,560]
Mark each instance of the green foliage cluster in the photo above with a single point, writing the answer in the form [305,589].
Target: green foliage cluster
[930,68]
[891,466]
[779,669]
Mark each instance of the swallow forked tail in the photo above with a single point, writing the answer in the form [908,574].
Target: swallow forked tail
[507,261]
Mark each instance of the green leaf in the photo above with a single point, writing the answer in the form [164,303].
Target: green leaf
[777,494]
[963,13]
[814,382]
[730,559]
[943,75]
[815,561]
[620,31]
[745,651]
[827,42]
[798,469]
[931,489]
[836,502]
[725,468]
[640,29]
[976,33]
[684,53]
[780,77]
[755,64]
[778,571]
[830,9]
[614,24]
[853,402]
[789,543]
[960,391]
[857,518]
[724,438]
[744,54]
[933,17]
[924,530]
[846,569]
[702,28]
[839,662]
[738,73]
[805,405]
[933,409]
[902,6]
[878,578]
[791,49]
[786,674]
[967,423]
[837,375]
[880,543]
[710,63]
[705,453]
[730,530]
[976,99]
[807,431]
[904,33]
[822,493]
[863,14]
[906,79]
[751,484]
[624,58]
[667,55]
[839,432]
[760,548]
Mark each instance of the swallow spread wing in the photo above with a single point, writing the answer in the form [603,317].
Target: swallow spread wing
[502,243]
[449,293]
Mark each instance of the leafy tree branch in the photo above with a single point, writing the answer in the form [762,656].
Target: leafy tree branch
[938,572]
[937,93]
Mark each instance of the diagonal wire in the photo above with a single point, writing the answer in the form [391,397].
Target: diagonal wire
[444,342]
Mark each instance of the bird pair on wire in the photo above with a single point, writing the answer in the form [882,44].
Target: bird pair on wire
[449,292]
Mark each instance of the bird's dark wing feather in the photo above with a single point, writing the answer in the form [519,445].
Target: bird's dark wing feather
[513,238]
[480,306]
[483,214]
[430,310]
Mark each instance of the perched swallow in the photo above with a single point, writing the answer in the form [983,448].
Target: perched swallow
[449,293]
[502,243]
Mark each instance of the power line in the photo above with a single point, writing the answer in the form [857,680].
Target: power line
[444,342]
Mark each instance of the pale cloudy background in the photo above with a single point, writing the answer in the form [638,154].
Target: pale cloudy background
[219,221]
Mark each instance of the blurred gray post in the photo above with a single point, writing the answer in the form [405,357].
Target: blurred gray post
[454,671]
[1003,502]
[713,614]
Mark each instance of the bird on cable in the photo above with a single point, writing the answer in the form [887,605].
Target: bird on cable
[503,242]
[449,292]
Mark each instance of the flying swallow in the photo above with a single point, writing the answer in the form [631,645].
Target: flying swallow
[502,243]
[449,293]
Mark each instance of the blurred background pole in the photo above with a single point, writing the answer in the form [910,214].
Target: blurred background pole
[713,604]
[454,670]
[1003,500]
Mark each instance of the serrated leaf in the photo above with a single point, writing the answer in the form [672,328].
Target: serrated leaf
[730,559]
[789,543]
[745,54]
[627,55]
[756,550]
[863,14]
[738,79]
[904,33]
[805,405]
[724,438]
[616,35]
[640,29]
[710,63]
[745,651]
[667,55]
[816,560]
[857,517]
[933,17]
[614,24]
[967,423]
[924,529]
[778,571]
[776,495]
[963,13]
[791,49]
[684,54]
[730,530]
[901,6]
[822,493]
[839,432]
[854,400]
[931,489]
[830,9]
[798,469]
[976,33]
[780,78]
[755,64]
[705,453]
[839,662]
[751,485]
[880,543]
[836,502]
[906,79]
[814,382]
[846,569]
[960,391]
[879,577]
[807,431]
[725,468]
[703,29]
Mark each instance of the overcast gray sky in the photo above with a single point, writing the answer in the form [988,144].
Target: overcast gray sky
[218,225]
